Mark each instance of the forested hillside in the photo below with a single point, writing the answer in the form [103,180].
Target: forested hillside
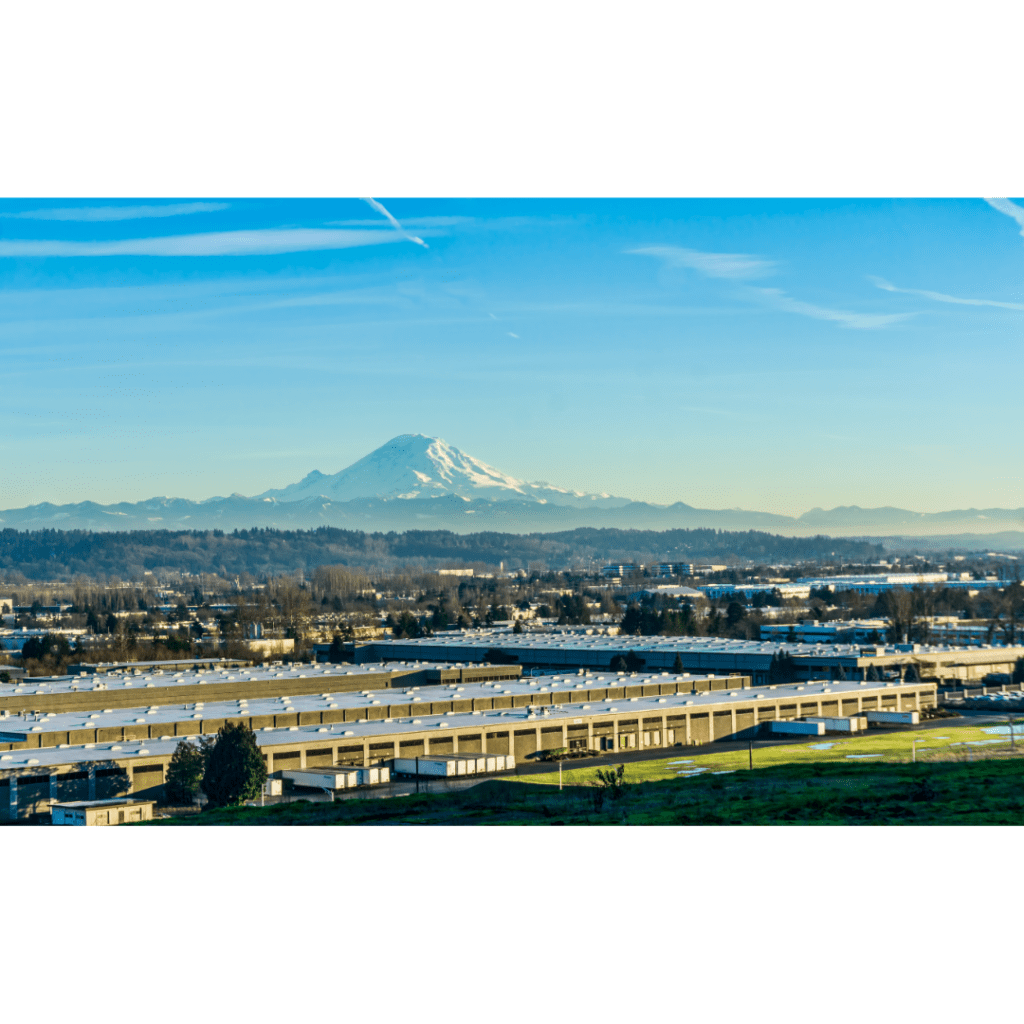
[61,555]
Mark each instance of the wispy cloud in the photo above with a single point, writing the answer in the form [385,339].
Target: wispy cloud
[778,299]
[742,266]
[109,213]
[394,223]
[222,243]
[1010,209]
[942,297]
[730,265]
[411,222]
[511,335]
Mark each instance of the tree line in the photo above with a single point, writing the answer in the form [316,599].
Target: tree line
[261,553]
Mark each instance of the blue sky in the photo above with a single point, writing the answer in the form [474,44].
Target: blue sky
[773,355]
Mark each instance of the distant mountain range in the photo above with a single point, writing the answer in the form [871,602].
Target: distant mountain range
[418,482]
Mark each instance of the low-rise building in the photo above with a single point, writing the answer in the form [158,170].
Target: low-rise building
[101,812]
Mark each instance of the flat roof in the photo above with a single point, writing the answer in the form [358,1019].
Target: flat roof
[116,718]
[116,801]
[115,666]
[491,720]
[505,640]
[141,680]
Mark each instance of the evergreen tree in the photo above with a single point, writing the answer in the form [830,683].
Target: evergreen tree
[781,669]
[336,654]
[235,771]
[631,621]
[184,774]
[677,665]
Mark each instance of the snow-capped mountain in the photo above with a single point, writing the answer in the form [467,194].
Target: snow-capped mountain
[421,483]
[416,466]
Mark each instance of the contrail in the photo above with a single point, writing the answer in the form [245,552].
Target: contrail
[394,223]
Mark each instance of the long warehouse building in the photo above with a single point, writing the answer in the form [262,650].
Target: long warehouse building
[128,689]
[30,779]
[944,665]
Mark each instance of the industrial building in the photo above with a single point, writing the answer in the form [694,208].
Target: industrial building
[640,715]
[945,665]
[137,687]
[120,724]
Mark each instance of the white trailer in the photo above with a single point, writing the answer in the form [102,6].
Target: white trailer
[320,778]
[797,728]
[892,717]
[853,724]
[429,764]
[340,777]
[454,765]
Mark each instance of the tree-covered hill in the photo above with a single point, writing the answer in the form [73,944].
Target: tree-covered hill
[61,555]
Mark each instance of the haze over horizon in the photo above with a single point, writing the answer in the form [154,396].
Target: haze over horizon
[767,355]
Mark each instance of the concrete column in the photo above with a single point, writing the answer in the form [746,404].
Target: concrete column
[711,725]
[366,753]
[756,722]
[615,734]
[302,758]
[688,728]
[455,743]
[734,720]
[426,745]
[565,734]
[397,751]
[270,760]
[590,734]
[819,709]
[92,783]
[898,707]
[538,737]
[664,730]
[483,741]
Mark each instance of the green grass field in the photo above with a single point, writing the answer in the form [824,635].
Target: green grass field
[957,742]
[960,777]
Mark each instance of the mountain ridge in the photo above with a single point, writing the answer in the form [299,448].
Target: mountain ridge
[414,481]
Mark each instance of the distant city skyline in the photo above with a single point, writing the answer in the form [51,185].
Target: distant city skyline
[771,355]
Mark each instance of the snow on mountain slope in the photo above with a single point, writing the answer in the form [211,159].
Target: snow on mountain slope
[416,466]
